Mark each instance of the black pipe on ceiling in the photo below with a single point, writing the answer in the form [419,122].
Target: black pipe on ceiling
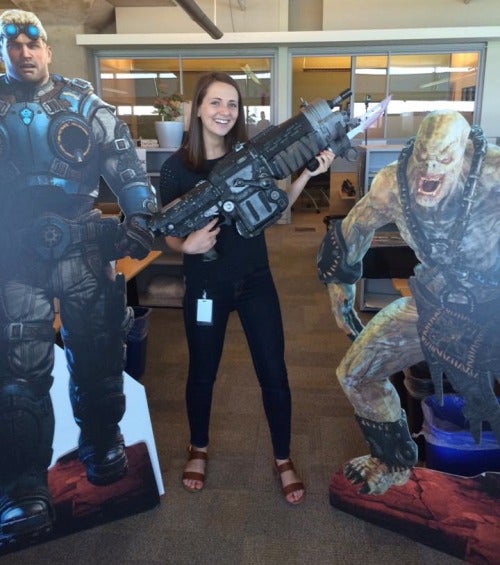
[196,13]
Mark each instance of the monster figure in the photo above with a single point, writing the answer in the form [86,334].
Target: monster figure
[56,139]
[443,193]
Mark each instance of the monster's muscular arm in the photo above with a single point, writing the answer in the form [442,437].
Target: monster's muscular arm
[378,207]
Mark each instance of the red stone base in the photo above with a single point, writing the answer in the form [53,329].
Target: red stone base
[80,505]
[454,514]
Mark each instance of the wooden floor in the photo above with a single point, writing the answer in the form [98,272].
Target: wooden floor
[241,517]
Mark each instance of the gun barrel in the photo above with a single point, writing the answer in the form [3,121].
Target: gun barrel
[347,93]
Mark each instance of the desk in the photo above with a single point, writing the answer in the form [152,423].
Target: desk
[382,266]
[130,268]
[401,285]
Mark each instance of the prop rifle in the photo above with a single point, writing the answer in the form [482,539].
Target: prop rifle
[242,188]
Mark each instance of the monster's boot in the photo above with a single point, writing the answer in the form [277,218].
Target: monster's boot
[390,442]
[26,435]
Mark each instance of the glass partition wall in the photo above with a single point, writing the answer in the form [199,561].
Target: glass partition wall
[419,80]
[132,84]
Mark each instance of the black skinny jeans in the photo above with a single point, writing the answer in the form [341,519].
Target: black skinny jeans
[256,301]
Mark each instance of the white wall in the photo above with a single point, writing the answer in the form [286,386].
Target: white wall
[390,14]
[68,59]
[275,15]
[259,15]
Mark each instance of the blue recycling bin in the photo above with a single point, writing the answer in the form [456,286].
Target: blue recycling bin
[449,445]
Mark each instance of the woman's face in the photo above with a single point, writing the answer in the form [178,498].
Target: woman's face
[218,111]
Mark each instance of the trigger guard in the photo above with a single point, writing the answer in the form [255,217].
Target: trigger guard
[351,155]
[225,220]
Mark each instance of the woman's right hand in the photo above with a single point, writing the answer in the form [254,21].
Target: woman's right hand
[202,240]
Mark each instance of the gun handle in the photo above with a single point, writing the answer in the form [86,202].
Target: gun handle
[210,255]
[312,165]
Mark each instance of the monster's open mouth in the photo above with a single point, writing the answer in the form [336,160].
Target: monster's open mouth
[430,185]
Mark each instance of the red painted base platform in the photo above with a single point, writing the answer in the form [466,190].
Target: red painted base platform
[80,505]
[454,514]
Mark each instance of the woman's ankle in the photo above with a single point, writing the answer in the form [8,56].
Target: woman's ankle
[196,448]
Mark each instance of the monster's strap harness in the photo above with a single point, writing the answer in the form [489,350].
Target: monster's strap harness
[447,250]
[332,258]
[460,340]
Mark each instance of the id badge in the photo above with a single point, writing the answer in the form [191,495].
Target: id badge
[204,310]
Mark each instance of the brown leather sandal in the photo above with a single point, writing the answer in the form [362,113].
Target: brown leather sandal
[194,475]
[292,487]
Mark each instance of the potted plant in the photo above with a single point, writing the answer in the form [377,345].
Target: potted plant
[169,107]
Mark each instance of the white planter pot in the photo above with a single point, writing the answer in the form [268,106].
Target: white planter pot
[169,134]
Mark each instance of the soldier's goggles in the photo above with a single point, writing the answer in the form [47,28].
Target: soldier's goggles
[11,31]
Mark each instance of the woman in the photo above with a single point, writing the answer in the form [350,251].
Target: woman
[239,279]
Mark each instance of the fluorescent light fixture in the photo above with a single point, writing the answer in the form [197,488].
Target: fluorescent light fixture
[124,110]
[134,75]
[414,70]
[138,75]
[371,72]
[398,107]
[258,75]
[135,110]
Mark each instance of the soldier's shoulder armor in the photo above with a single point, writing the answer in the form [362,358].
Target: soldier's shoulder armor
[79,94]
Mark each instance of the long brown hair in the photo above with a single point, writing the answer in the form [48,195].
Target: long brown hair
[194,144]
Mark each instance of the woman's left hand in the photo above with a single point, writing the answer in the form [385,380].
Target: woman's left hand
[325,160]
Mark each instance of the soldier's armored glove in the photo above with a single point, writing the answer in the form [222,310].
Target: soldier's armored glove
[134,237]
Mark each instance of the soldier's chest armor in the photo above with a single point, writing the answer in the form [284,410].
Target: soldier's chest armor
[48,140]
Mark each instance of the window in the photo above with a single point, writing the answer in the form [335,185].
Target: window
[132,84]
[419,80]
[418,83]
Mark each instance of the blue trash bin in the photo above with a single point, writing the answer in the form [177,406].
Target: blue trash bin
[449,446]
[137,341]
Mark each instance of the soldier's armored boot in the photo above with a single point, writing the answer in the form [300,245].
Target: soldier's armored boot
[101,446]
[96,362]
[26,434]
